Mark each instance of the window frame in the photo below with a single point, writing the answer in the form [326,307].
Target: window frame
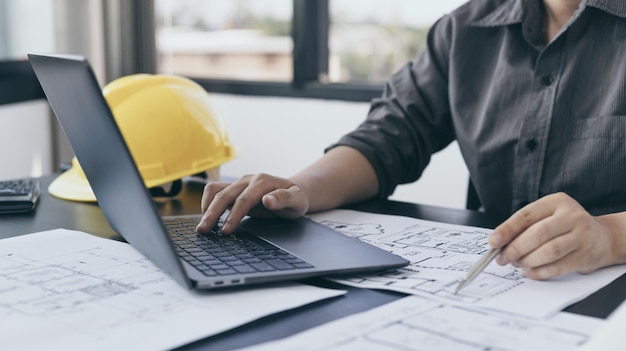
[310,26]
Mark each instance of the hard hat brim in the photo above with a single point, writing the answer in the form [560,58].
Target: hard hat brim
[71,185]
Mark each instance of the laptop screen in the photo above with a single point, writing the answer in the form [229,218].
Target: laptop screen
[84,115]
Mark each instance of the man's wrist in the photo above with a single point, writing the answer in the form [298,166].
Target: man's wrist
[615,225]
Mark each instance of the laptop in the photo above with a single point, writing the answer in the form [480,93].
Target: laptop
[260,251]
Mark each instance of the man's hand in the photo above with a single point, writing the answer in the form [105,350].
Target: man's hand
[260,195]
[341,176]
[555,235]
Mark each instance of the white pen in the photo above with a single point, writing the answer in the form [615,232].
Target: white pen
[478,267]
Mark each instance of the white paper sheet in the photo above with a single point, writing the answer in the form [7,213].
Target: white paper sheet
[69,290]
[440,256]
[611,335]
[416,323]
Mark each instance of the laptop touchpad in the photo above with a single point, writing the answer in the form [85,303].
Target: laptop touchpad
[301,232]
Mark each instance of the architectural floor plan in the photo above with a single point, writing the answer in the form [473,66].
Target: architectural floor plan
[69,290]
[420,324]
[441,254]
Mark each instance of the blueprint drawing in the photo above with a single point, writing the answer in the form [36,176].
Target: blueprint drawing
[419,324]
[70,290]
[441,254]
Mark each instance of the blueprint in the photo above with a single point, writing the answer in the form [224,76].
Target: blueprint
[441,254]
[70,290]
[415,323]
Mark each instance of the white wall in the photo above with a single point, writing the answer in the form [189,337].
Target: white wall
[25,140]
[274,135]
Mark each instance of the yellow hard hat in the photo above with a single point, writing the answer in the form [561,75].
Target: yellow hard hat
[169,127]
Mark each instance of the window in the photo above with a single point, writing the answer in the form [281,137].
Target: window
[370,40]
[17,38]
[72,27]
[42,26]
[240,40]
[25,25]
[333,49]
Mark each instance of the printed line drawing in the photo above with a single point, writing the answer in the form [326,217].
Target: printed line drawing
[440,255]
[415,323]
[437,255]
[76,291]
[59,287]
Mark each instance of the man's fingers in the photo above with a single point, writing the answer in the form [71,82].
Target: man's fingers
[566,264]
[544,232]
[216,199]
[548,253]
[210,215]
[288,203]
[524,218]
[210,190]
[518,223]
[247,198]
[251,194]
[265,199]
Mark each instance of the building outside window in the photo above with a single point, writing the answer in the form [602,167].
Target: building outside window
[251,39]
[241,40]
[371,39]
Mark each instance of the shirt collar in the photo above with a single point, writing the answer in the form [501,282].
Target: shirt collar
[614,7]
[509,12]
[512,12]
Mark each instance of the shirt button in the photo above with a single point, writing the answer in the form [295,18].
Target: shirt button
[547,80]
[532,144]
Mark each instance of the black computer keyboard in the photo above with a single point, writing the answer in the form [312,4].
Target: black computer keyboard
[214,254]
[19,195]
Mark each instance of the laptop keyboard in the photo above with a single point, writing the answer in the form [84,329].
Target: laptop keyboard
[216,255]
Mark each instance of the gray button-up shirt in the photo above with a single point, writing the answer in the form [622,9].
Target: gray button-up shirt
[531,119]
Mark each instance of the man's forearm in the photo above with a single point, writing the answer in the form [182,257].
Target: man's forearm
[342,176]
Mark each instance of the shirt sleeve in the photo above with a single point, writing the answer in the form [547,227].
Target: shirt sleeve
[411,120]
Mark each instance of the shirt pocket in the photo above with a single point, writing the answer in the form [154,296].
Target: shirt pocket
[594,169]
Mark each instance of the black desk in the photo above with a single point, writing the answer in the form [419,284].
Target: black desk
[54,213]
